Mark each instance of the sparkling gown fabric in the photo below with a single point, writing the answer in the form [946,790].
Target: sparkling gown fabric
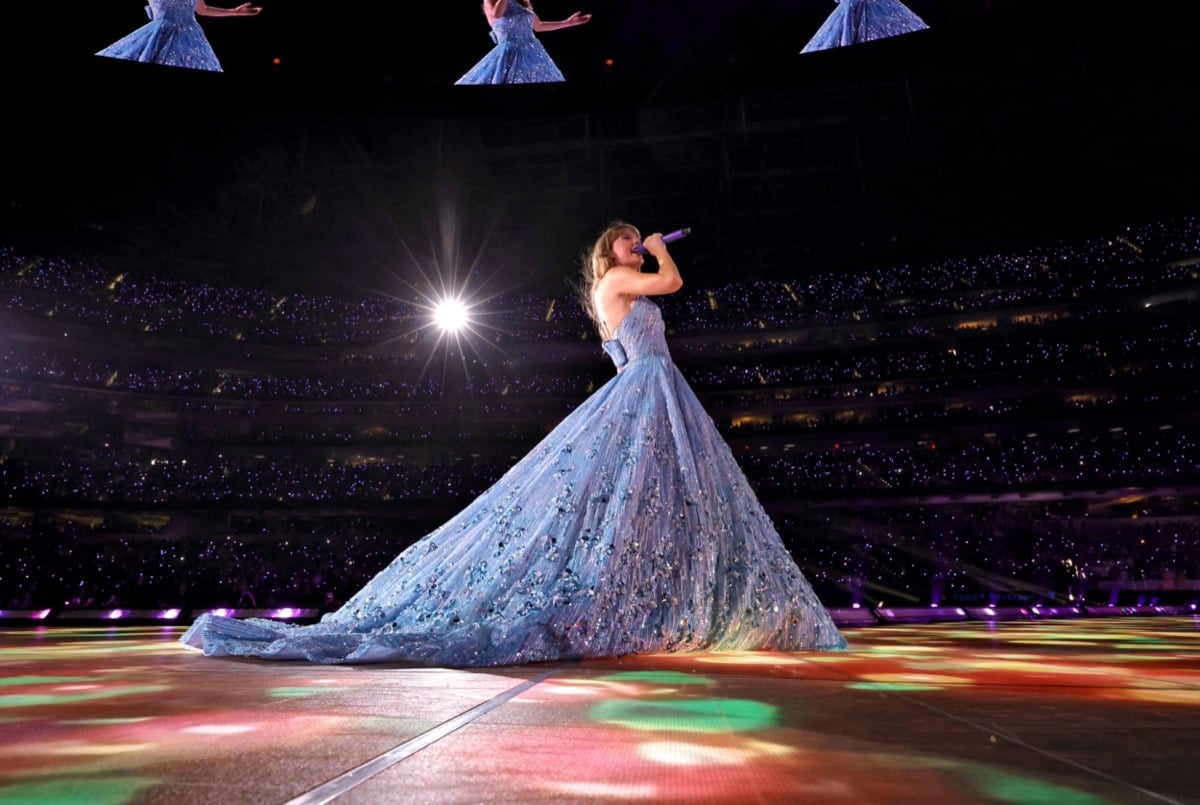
[172,37]
[628,529]
[855,21]
[518,57]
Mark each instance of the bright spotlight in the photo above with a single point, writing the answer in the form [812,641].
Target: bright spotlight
[451,315]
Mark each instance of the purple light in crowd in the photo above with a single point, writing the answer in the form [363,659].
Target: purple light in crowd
[286,612]
[168,614]
[114,614]
[222,612]
[45,613]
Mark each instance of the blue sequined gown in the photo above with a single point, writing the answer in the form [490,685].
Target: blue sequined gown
[855,21]
[518,57]
[628,529]
[172,37]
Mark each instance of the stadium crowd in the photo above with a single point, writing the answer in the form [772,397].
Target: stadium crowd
[1051,386]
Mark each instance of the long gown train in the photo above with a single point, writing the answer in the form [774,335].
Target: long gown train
[856,21]
[629,528]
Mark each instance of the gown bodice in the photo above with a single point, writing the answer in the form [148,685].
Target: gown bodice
[517,23]
[175,11]
[641,334]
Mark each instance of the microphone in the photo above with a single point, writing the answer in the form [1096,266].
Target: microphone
[667,238]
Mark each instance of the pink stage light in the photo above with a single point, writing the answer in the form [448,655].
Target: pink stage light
[23,613]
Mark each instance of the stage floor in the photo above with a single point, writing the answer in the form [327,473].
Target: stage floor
[1063,712]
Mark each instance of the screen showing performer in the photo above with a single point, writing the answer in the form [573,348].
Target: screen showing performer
[518,57]
[173,37]
[856,21]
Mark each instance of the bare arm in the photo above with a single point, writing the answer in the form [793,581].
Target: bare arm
[244,10]
[635,283]
[617,289]
[494,9]
[569,22]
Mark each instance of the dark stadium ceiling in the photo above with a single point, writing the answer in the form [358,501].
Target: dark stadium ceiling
[353,160]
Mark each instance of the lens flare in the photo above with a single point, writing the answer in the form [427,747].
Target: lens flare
[451,315]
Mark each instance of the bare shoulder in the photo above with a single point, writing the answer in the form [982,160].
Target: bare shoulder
[617,279]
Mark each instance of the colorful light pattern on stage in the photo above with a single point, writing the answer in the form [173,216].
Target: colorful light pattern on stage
[951,712]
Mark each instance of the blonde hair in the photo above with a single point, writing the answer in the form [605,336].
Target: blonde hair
[596,264]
